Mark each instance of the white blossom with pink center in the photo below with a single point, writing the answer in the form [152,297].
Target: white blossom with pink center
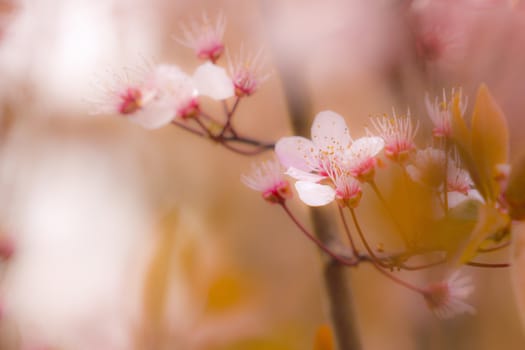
[440,112]
[205,37]
[158,95]
[447,299]
[267,178]
[331,155]
[459,184]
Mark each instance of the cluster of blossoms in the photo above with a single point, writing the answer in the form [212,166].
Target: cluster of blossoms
[332,166]
[153,96]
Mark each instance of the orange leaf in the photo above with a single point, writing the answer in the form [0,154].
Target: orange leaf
[459,126]
[490,142]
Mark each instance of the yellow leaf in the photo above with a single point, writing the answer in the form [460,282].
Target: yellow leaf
[515,194]
[453,231]
[490,142]
[490,221]
[462,137]
[324,339]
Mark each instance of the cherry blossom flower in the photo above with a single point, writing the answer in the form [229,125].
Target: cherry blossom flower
[428,167]
[205,37]
[347,190]
[459,183]
[246,71]
[331,155]
[267,178]
[458,179]
[124,92]
[398,134]
[447,299]
[440,112]
[154,97]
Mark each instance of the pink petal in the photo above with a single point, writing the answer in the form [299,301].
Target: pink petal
[330,131]
[303,175]
[295,151]
[313,194]
[212,81]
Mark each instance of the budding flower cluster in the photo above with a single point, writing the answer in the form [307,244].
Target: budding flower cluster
[153,96]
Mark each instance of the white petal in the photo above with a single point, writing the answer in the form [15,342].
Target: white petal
[366,147]
[168,85]
[456,198]
[329,130]
[303,175]
[295,151]
[153,116]
[169,81]
[212,81]
[313,194]
[474,194]
[414,173]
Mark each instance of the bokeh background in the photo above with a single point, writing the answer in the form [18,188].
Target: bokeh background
[132,239]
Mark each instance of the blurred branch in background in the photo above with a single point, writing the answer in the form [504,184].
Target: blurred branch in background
[337,284]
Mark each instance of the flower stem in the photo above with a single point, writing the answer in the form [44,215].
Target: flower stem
[378,264]
[347,230]
[242,151]
[370,251]
[314,239]
[445,181]
[229,115]
[188,128]
[478,264]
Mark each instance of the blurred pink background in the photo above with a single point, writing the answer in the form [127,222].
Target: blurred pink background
[88,200]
